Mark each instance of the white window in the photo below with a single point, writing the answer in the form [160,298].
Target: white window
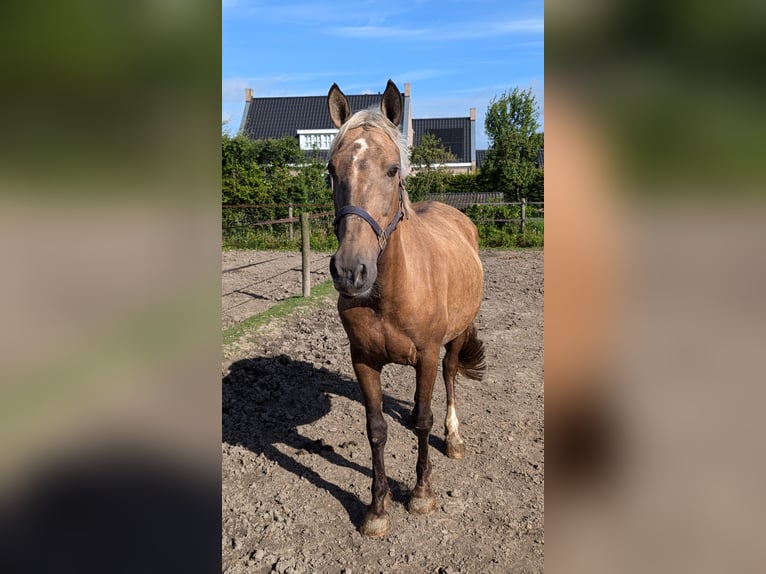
[316,139]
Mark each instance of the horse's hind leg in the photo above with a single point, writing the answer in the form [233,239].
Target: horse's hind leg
[455,444]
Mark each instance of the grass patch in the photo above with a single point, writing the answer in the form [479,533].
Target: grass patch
[250,326]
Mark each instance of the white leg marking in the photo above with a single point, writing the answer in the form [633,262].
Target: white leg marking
[451,423]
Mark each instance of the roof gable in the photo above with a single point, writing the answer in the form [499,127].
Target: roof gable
[279,117]
[454,133]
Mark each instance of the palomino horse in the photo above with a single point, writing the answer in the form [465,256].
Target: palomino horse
[409,280]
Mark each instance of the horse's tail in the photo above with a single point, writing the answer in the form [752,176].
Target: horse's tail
[470,360]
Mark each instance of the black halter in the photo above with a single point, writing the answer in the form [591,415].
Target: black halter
[381,234]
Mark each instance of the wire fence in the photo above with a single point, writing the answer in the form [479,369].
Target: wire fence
[268,280]
[500,224]
[250,286]
[276,226]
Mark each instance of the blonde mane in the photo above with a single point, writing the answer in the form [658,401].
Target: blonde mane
[374,118]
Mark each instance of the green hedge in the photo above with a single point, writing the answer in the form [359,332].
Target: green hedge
[500,226]
[240,231]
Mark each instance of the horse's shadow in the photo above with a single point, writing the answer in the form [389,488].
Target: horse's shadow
[265,399]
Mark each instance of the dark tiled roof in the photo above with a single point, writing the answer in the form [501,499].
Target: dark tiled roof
[480,155]
[454,133]
[280,117]
[462,201]
[541,158]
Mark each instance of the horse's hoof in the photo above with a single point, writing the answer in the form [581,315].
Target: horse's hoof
[375,526]
[422,504]
[455,449]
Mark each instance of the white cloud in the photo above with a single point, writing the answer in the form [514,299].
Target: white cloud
[277,85]
[422,74]
[233,89]
[466,30]
[528,26]
[226,122]
[485,29]
[379,32]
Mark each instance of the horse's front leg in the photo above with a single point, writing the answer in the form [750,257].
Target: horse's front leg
[376,522]
[422,500]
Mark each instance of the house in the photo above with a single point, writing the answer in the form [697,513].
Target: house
[480,155]
[306,118]
[456,134]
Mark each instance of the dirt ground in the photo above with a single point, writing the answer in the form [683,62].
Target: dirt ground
[296,462]
[253,281]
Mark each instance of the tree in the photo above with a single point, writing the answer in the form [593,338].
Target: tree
[429,173]
[242,179]
[464,183]
[511,125]
[277,152]
[277,158]
[258,171]
[536,189]
[310,185]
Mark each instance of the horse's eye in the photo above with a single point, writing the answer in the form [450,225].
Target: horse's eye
[392,171]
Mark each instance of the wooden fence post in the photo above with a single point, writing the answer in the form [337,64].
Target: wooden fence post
[290,215]
[305,253]
[523,213]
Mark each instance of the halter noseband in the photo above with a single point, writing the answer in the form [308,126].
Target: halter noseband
[381,234]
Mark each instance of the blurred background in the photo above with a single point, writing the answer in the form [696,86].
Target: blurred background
[110,296]
[110,290]
[655,270]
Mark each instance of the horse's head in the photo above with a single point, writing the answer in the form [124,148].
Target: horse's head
[368,163]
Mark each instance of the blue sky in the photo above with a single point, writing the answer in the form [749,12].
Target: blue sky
[455,54]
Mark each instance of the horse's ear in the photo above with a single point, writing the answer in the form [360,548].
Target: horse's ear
[337,105]
[391,104]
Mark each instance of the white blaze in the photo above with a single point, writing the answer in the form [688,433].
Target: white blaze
[362,148]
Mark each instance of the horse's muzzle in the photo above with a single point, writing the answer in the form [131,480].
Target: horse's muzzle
[352,278]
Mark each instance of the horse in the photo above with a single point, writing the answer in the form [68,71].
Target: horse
[409,281]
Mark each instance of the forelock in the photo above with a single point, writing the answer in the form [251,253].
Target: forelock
[374,118]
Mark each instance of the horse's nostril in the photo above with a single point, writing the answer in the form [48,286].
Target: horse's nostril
[360,274]
[349,275]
